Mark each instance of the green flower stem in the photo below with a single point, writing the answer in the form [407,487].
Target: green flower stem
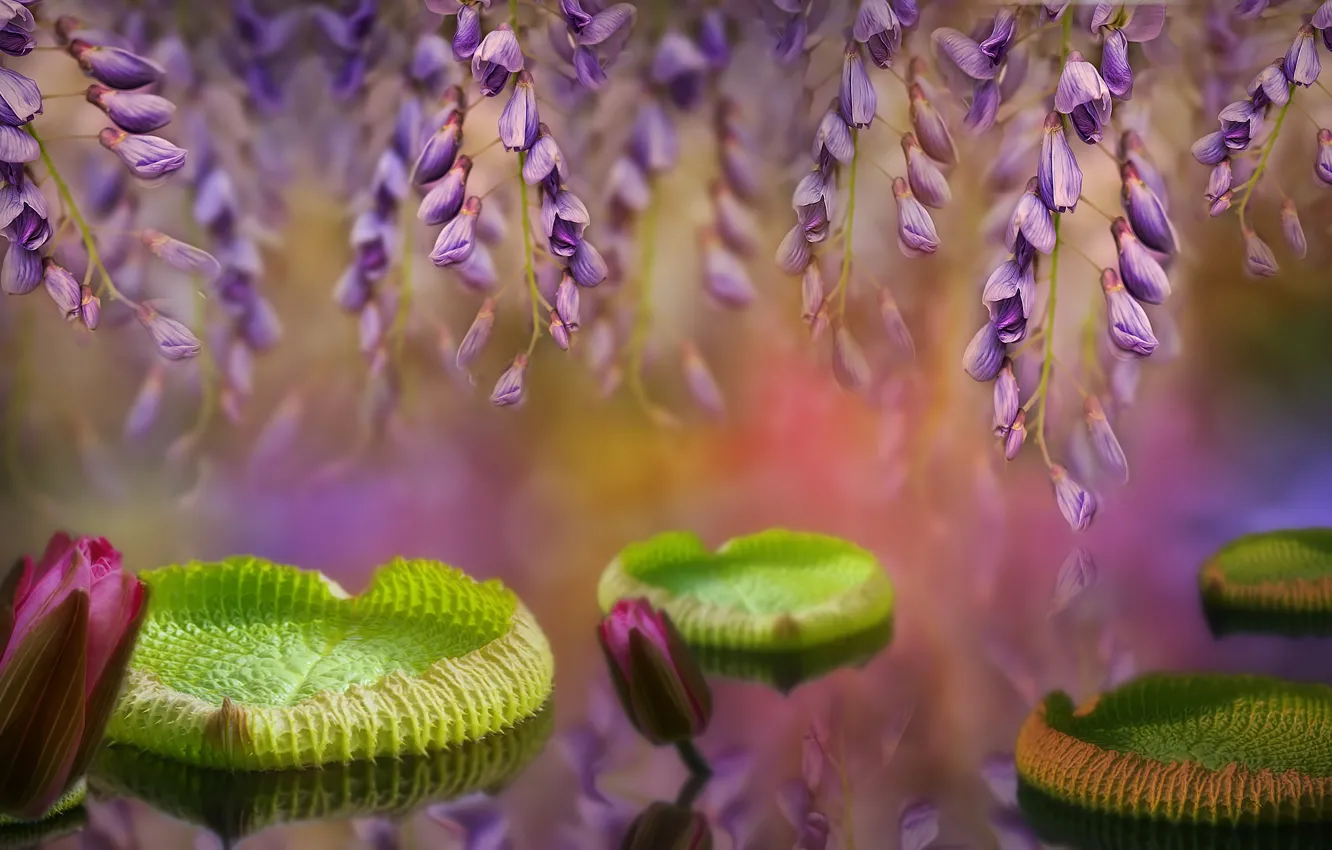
[533,294]
[89,243]
[1047,362]
[689,791]
[693,759]
[1267,151]
[844,279]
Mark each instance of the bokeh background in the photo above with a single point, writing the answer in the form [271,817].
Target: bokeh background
[1230,434]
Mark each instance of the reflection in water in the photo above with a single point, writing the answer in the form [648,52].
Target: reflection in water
[33,834]
[1058,823]
[238,804]
[787,670]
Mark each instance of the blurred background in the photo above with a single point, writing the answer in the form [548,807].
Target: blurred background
[1227,433]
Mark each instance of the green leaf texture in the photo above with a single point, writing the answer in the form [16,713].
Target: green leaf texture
[1277,582]
[773,591]
[235,804]
[245,664]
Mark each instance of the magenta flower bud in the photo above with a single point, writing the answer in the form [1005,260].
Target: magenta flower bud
[174,341]
[1075,502]
[1059,179]
[545,161]
[90,308]
[1130,329]
[20,99]
[1016,435]
[660,687]
[1104,442]
[17,146]
[564,217]
[812,201]
[702,385]
[1032,222]
[439,152]
[73,618]
[849,365]
[915,229]
[899,335]
[878,28]
[133,112]
[587,265]
[833,139]
[1219,181]
[984,355]
[467,37]
[519,122]
[149,158]
[62,287]
[498,56]
[509,388]
[112,66]
[793,251]
[457,239]
[964,53]
[1323,162]
[1211,149]
[1291,229]
[1258,257]
[1301,63]
[725,277]
[445,198]
[1115,68]
[857,98]
[179,255]
[21,271]
[927,182]
[666,825]
[1142,274]
[477,335]
[931,130]
[566,301]
[1145,211]
[1006,403]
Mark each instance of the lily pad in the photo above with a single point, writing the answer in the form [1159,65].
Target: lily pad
[67,815]
[1058,823]
[786,671]
[249,665]
[1278,582]
[776,590]
[1205,748]
[235,804]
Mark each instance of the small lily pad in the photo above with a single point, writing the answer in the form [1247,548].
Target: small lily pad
[772,591]
[1277,582]
[1187,748]
[235,804]
[786,671]
[249,665]
[67,815]
[1059,824]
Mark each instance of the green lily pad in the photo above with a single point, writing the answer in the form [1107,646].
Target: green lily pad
[1278,582]
[235,804]
[249,665]
[786,671]
[776,590]
[1058,823]
[1204,748]
[67,815]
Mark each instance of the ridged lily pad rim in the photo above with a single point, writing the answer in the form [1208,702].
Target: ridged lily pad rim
[1248,602]
[1081,773]
[702,623]
[454,700]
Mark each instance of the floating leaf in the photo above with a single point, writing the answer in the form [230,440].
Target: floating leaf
[786,671]
[250,665]
[67,815]
[1210,748]
[1277,582]
[776,590]
[235,804]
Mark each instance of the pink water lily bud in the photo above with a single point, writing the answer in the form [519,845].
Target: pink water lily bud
[659,684]
[68,626]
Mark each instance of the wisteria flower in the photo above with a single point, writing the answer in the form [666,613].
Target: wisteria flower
[1084,97]
[498,56]
[1059,178]
[147,157]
